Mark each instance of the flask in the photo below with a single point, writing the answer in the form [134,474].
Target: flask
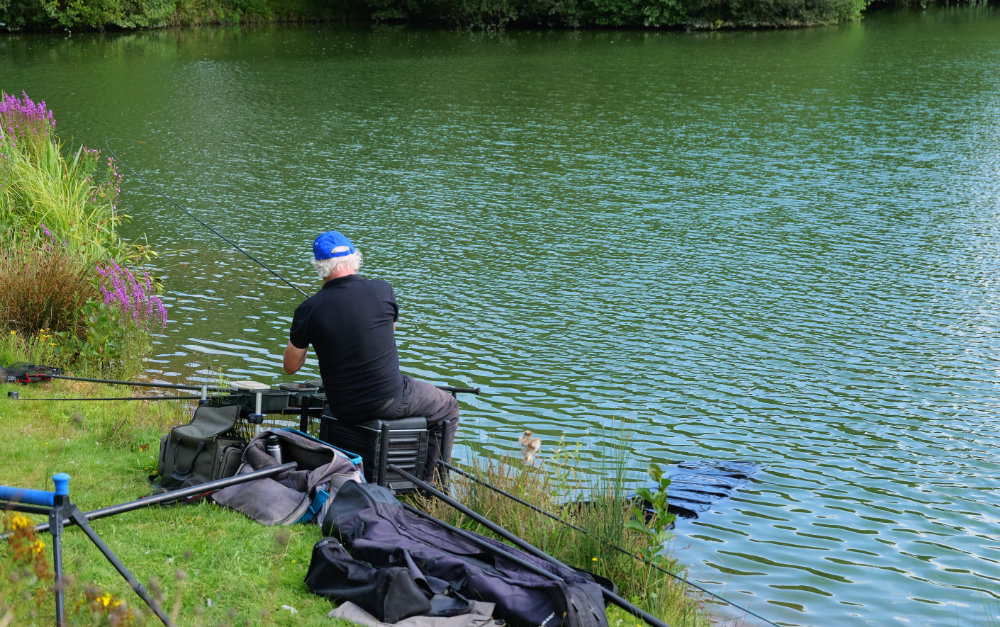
[273,448]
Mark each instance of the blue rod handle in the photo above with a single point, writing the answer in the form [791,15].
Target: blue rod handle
[37,497]
[30,497]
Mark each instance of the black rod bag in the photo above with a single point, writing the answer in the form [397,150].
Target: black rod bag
[375,529]
[205,449]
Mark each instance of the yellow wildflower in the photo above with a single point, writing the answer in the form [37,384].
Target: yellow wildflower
[20,522]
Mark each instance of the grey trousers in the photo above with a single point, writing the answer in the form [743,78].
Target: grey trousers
[440,408]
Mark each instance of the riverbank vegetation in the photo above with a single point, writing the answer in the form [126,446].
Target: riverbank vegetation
[627,545]
[67,295]
[75,15]
[210,566]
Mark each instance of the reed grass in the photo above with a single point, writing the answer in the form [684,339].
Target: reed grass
[44,290]
[63,269]
[599,506]
[47,198]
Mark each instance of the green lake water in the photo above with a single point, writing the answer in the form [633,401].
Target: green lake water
[780,247]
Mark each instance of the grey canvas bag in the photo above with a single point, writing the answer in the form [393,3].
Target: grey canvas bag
[300,495]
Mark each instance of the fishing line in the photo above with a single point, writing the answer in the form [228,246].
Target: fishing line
[160,191]
[602,540]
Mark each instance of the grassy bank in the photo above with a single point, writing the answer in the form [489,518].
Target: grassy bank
[207,565]
[211,566]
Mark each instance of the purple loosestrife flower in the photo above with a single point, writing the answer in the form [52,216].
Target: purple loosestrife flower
[23,117]
[133,298]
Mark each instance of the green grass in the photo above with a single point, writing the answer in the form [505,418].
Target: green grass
[605,546]
[212,566]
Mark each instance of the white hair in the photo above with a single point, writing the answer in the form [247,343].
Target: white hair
[349,263]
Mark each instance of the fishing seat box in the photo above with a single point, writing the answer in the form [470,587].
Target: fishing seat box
[401,442]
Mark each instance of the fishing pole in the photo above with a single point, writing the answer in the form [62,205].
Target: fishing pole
[160,191]
[523,544]
[175,495]
[17,397]
[172,386]
[602,540]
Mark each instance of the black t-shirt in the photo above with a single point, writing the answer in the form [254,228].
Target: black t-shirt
[350,324]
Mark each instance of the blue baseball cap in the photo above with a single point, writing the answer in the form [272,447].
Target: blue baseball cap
[332,244]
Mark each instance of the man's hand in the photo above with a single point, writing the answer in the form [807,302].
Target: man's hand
[294,358]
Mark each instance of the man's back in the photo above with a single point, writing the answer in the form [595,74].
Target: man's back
[350,323]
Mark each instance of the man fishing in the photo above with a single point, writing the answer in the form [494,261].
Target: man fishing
[351,325]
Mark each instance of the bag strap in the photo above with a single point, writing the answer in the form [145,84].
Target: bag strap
[180,474]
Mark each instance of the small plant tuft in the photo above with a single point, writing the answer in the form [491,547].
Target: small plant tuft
[660,520]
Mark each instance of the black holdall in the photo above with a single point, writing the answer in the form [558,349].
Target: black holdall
[205,449]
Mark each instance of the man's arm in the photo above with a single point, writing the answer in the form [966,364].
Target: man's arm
[294,358]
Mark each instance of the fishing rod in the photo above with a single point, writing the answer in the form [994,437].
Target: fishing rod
[524,545]
[17,397]
[172,386]
[602,540]
[160,191]
[204,389]
[174,495]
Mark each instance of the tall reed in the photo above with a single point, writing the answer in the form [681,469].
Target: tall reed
[44,195]
[60,220]
[599,506]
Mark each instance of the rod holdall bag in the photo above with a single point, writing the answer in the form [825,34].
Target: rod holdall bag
[301,495]
[205,449]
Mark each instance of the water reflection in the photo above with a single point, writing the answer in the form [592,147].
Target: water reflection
[778,247]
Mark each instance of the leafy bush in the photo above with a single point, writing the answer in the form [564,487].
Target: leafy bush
[65,272]
[636,12]
[117,329]
[71,14]
[44,289]
[773,12]
[145,13]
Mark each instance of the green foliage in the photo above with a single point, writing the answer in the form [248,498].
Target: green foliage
[71,14]
[111,347]
[472,14]
[655,530]
[145,13]
[61,221]
[637,12]
[608,532]
[772,13]
[20,14]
